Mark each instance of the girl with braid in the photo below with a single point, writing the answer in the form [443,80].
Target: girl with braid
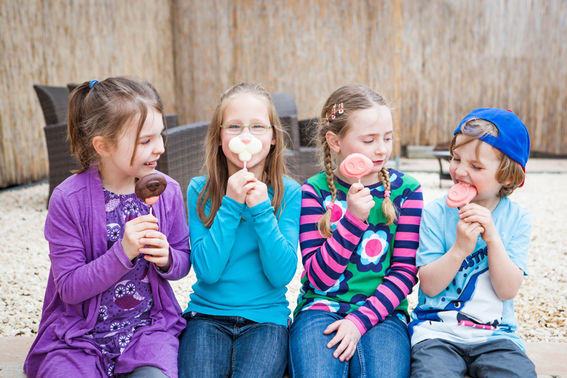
[358,243]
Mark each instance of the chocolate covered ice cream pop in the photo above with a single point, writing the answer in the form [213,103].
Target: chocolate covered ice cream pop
[149,188]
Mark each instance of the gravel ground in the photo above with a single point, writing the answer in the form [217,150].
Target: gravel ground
[541,305]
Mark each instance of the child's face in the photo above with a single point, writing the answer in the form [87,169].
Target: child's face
[247,109]
[476,163]
[149,148]
[369,133]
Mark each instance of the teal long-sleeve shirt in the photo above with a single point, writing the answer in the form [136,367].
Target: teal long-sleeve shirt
[244,261]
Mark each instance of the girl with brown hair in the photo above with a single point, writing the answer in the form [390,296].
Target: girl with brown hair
[244,229]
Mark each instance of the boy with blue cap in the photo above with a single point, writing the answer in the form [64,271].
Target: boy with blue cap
[472,260]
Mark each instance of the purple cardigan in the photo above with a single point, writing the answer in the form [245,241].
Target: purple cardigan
[82,269]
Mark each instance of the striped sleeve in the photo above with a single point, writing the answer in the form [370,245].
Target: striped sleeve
[402,275]
[325,259]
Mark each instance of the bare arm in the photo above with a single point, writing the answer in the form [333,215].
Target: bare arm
[436,276]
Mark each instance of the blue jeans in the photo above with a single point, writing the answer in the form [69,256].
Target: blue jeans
[383,351]
[231,346]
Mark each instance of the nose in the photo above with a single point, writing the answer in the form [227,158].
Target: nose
[159,148]
[380,148]
[245,139]
[460,171]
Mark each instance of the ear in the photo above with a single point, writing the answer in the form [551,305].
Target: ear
[101,145]
[333,141]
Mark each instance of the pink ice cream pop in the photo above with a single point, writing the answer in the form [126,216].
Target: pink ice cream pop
[460,195]
[245,146]
[149,188]
[356,166]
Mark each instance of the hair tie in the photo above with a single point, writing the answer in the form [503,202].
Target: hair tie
[92,83]
[387,194]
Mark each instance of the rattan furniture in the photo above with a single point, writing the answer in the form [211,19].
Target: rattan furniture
[53,101]
[301,155]
[184,155]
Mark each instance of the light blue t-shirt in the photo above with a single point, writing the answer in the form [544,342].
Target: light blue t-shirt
[244,261]
[468,310]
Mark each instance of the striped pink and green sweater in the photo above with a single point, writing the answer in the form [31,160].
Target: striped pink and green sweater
[365,270]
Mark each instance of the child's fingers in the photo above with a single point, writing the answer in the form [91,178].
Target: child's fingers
[334,341]
[348,353]
[332,327]
[343,345]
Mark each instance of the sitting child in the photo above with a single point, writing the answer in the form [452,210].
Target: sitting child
[472,260]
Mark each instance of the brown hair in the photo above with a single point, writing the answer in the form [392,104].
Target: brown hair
[353,98]
[216,163]
[103,108]
[508,170]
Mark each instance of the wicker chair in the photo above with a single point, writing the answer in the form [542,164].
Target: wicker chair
[184,155]
[61,161]
[301,155]
[54,103]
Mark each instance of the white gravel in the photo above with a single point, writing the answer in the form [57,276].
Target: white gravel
[541,305]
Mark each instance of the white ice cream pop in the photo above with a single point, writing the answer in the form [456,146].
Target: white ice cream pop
[245,146]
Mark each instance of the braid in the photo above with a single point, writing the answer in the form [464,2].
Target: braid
[324,225]
[388,208]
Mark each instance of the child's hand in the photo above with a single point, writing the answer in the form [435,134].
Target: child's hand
[467,235]
[156,249]
[134,231]
[257,194]
[359,201]
[480,214]
[347,334]
[239,184]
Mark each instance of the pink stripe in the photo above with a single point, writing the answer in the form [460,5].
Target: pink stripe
[404,252]
[400,284]
[332,264]
[310,202]
[407,236]
[338,248]
[370,314]
[412,204]
[409,219]
[308,188]
[388,293]
[307,251]
[346,234]
[378,306]
[309,235]
[320,274]
[353,318]
[309,218]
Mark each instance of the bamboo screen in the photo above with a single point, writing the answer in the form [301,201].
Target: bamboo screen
[433,60]
[59,42]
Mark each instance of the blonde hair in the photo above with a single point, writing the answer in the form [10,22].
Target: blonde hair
[352,98]
[508,170]
[103,108]
[216,163]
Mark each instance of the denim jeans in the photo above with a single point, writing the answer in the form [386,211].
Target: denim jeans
[383,351]
[231,346]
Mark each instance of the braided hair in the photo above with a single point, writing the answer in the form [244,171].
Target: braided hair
[350,98]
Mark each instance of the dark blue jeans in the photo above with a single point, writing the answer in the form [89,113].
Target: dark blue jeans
[231,346]
[383,351]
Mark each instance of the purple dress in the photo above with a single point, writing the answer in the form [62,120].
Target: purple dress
[125,306]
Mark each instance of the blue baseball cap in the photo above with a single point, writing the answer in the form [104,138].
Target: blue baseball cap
[513,138]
